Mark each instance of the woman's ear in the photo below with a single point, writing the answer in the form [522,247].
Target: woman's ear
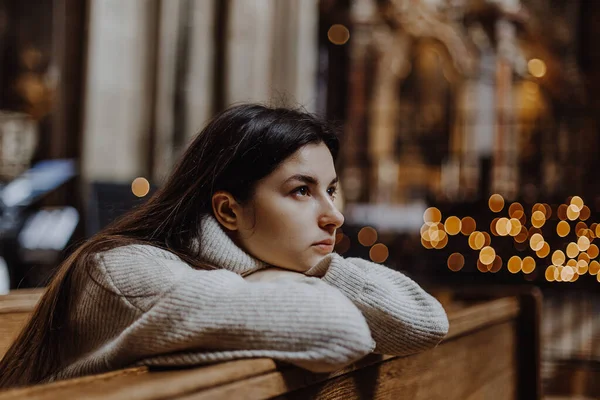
[227,210]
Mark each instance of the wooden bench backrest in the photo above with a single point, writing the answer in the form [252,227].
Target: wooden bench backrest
[15,310]
[479,359]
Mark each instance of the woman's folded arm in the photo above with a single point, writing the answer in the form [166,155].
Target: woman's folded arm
[403,318]
[307,323]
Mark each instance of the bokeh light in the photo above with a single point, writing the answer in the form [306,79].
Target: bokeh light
[577,202]
[514,264]
[514,207]
[582,267]
[468,226]
[456,262]
[536,67]
[528,265]
[496,203]
[558,257]
[476,240]
[452,225]
[140,187]
[379,253]
[583,256]
[594,267]
[572,212]
[567,274]
[572,250]
[522,236]
[538,219]
[536,242]
[432,215]
[563,228]
[576,258]
[583,243]
[487,255]
[593,251]
[515,227]
[338,34]
[585,213]
[561,212]
[544,251]
[367,236]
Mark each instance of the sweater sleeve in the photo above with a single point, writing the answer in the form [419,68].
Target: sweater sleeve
[403,318]
[188,316]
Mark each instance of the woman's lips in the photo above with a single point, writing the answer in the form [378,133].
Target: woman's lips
[323,248]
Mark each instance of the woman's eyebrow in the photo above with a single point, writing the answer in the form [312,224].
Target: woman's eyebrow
[308,179]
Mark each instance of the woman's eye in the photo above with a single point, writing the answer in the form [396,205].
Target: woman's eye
[302,191]
[332,191]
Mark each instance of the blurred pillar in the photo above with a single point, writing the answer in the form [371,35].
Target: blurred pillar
[272,51]
[354,152]
[161,147]
[118,99]
[479,124]
[198,87]
[505,170]
[393,64]
[249,50]
[295,52]
[149,85]
[183,80]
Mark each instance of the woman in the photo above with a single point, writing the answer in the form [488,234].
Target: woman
[231,259]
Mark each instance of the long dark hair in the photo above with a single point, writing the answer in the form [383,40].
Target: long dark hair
[237,148]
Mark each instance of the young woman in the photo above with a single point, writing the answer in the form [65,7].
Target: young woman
[231,259]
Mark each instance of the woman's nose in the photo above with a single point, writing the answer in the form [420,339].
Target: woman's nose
[331,218]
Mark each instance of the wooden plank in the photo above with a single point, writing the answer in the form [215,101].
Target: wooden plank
[10,326]
[482,315]
[20,301]
[135,384]
[37,391]
[262,374]
[15,310]
[417,377]
[426,376]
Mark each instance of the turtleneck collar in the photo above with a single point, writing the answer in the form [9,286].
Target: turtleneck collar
[217,249]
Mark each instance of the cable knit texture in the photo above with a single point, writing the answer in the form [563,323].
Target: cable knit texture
[141,305]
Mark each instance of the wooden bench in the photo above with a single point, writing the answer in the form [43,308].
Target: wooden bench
[15,309]
[491,352]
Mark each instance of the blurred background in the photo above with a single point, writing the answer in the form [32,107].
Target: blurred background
[469,132]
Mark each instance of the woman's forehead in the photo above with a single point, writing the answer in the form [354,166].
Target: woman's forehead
[312,160]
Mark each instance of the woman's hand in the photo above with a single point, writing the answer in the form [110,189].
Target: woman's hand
[272,274]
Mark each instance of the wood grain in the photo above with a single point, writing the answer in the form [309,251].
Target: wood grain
[10,326]
[15,310]
[23,300]
[479,352]
[478,366]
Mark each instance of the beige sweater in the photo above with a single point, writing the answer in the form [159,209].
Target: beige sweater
[142,305]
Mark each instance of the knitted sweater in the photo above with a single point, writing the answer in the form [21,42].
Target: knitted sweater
[141,305]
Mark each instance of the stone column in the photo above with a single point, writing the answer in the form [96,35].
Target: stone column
[186,46]
[295,52]
[166,65]
[198,87]
[392,65]
[249,50]
[505,173]
[118,98]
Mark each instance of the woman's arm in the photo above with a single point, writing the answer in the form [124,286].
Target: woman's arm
[212,313]
[403,318]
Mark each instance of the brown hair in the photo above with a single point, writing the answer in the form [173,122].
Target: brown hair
[218,159]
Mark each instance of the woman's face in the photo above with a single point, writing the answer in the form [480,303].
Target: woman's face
[292,211]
